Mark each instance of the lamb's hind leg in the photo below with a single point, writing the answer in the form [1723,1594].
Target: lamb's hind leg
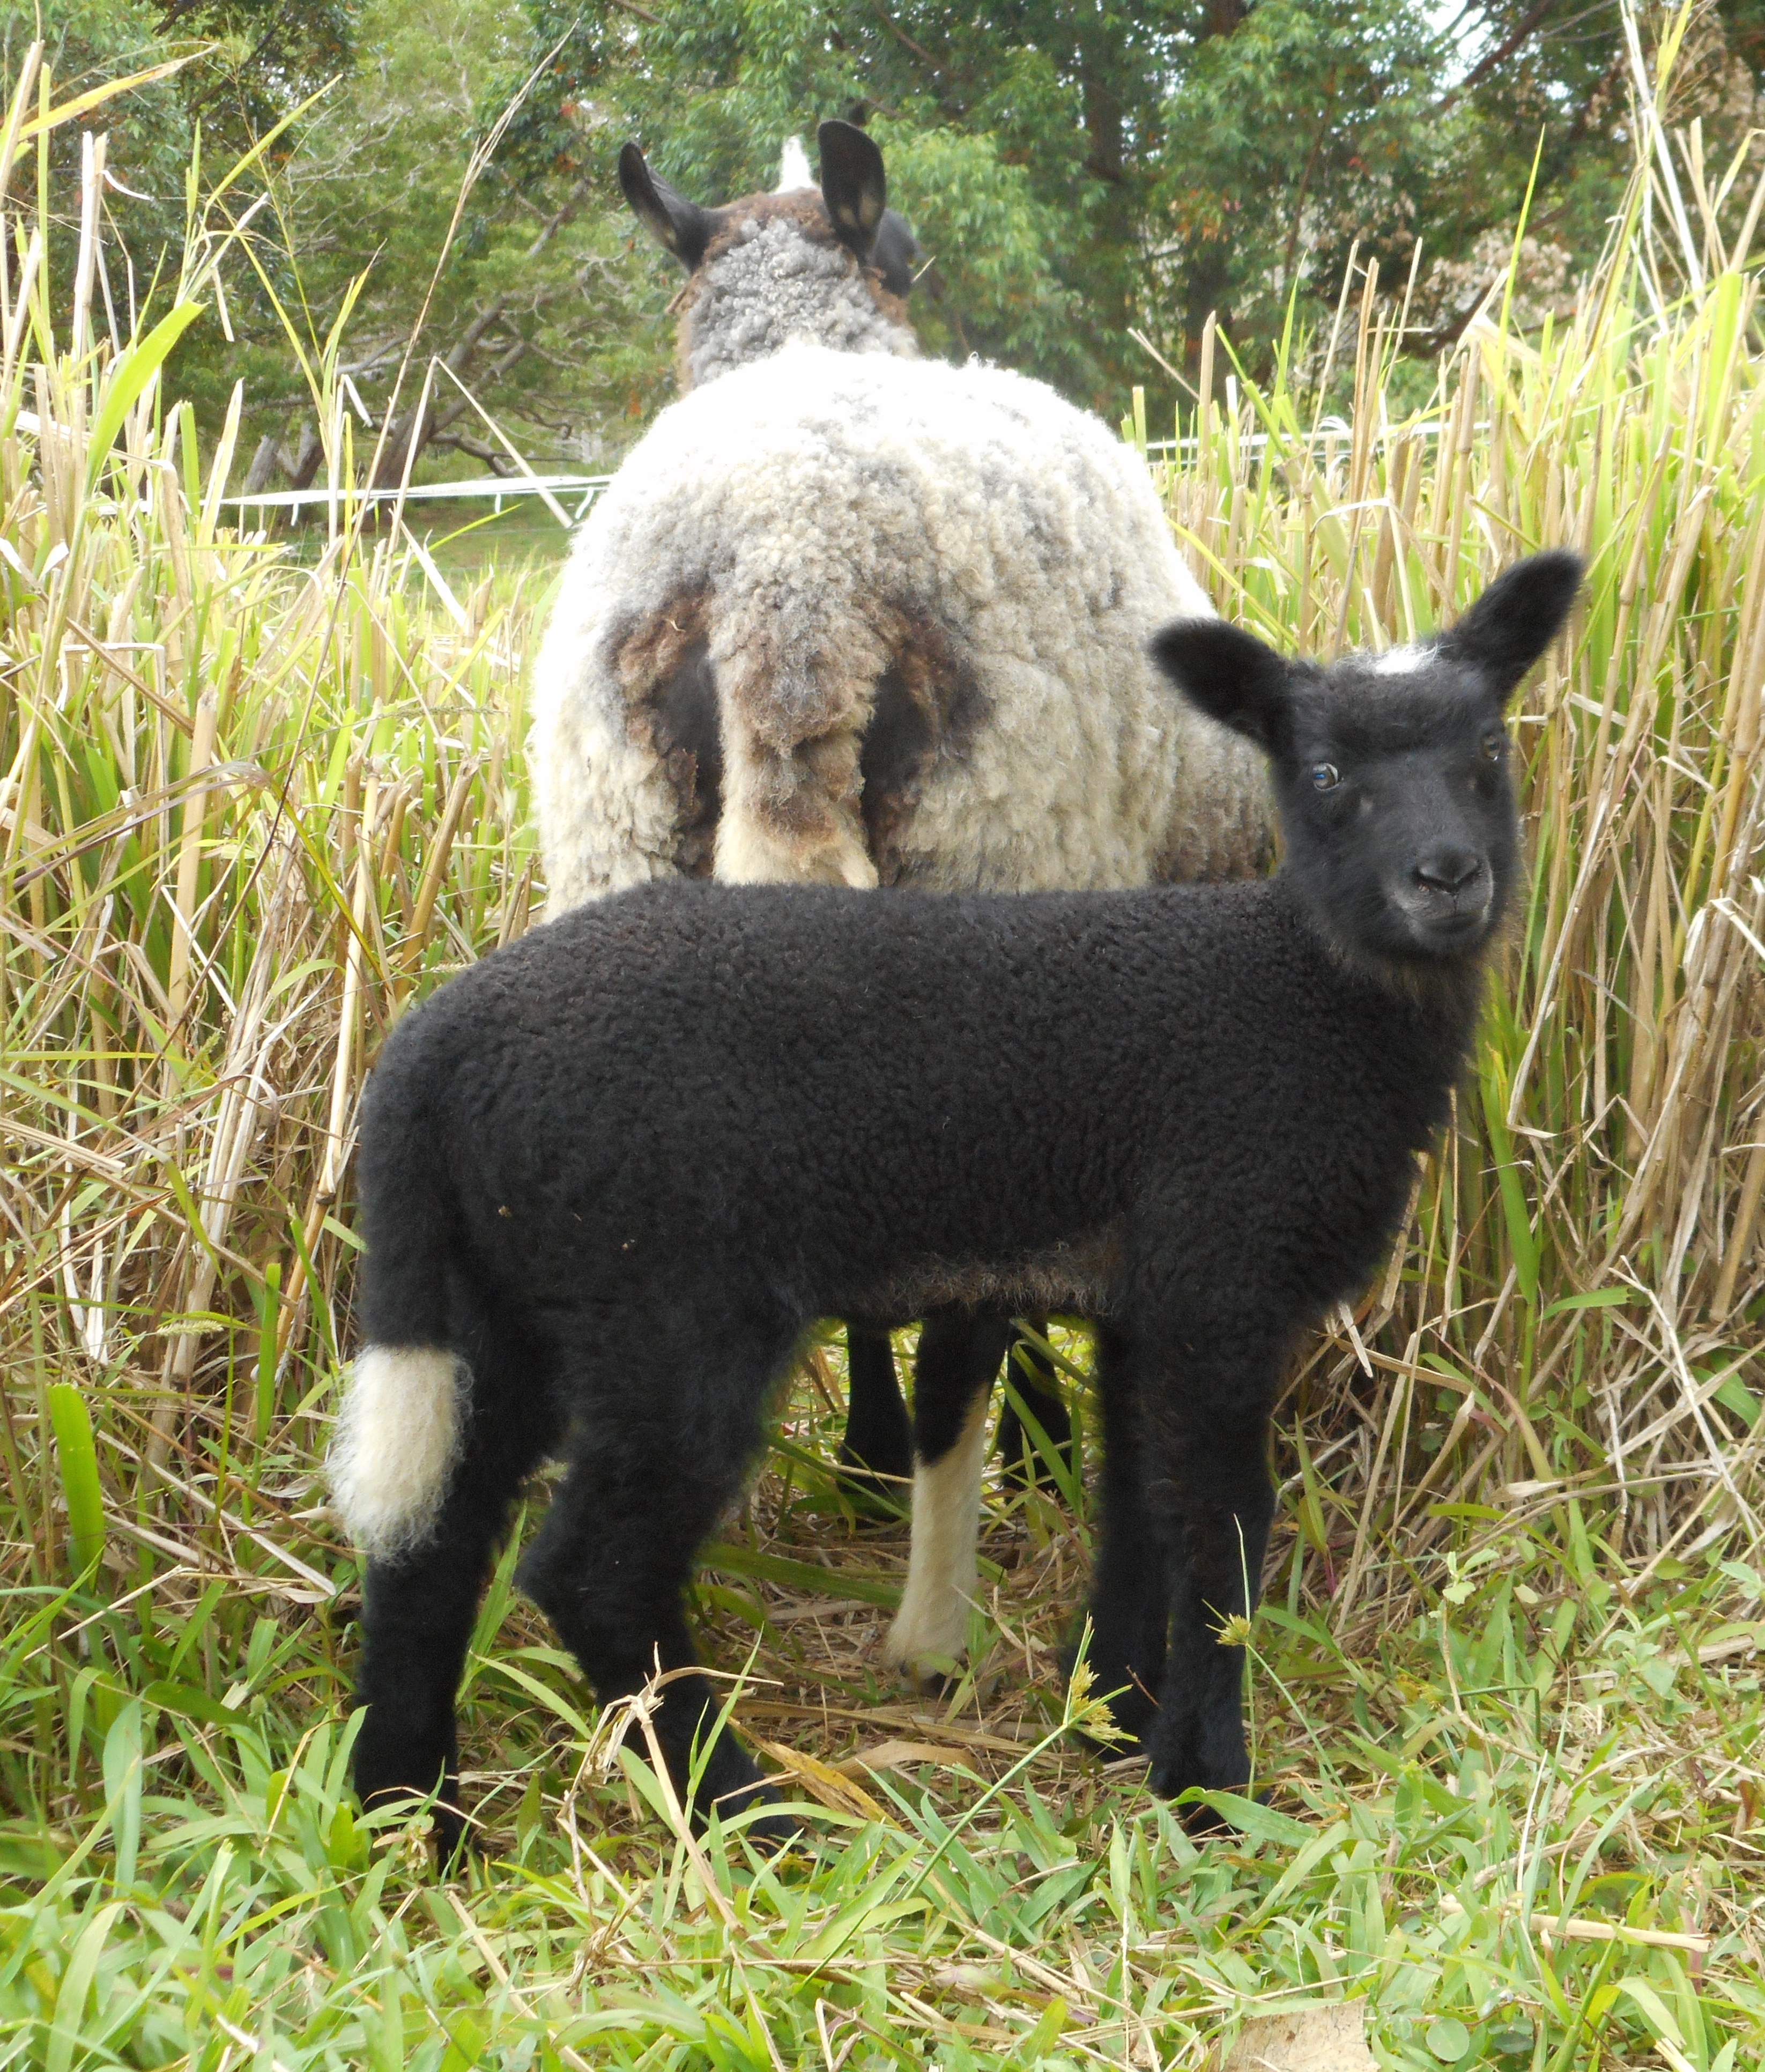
[419,1601]
[648,1480]
[959,1356]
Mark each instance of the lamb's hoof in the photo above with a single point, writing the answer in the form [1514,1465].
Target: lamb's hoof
[768,1832]
[1202,1822]
[449,1828]
[455,1841]
[733,1784]
[771,1834]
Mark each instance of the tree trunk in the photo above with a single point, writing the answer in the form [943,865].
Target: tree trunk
[1223,17]
[307,458]
[263,465]
[407,437]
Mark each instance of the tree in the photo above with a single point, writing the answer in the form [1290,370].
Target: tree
[1084,173]
[1078,176]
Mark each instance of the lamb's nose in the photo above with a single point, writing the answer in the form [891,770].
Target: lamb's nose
[1449,870]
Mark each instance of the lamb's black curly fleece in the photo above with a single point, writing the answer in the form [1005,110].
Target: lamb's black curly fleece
[621,1164]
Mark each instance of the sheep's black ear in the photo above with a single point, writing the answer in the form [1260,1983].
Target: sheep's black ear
[1228,674]
[678,225]
[897,254]
[852,185]
[1516,619]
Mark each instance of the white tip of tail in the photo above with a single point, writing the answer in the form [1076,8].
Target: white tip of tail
[793,170]
[396,1439]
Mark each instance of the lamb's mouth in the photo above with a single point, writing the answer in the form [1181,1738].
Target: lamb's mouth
[1444,921]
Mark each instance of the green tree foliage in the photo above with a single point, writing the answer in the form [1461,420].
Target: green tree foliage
[87,43]
[1084,179]
[1082,174]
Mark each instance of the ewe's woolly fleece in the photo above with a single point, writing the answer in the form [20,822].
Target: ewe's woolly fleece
[817,497]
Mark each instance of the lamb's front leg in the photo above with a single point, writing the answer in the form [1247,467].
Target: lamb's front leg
[1209,1490]
[1130,1608]
[959,1356]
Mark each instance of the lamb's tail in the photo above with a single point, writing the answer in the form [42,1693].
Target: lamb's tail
[397,1435]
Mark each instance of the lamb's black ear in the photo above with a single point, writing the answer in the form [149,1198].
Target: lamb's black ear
[678,225]
[1516,619]
[852,185]
[1228,674]
[897,254]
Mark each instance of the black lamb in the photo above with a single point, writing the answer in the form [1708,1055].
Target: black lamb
[610,1174]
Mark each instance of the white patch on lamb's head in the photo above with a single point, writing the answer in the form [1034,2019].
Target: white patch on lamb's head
[1400,661]
[794,167]
[396,1439]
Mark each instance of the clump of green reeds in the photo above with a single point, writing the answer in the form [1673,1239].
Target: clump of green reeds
[247,807]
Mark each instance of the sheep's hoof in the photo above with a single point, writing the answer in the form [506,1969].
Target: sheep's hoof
[925,1650]
[934,1682]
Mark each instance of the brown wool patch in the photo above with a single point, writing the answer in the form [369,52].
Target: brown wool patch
[926,705]
[662,665]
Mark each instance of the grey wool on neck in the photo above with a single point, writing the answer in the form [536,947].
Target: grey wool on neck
[774,286]
[829,266]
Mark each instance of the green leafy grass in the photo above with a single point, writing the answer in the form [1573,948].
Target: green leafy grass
[1519,1824]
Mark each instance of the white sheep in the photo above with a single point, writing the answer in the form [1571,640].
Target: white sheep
[847,615]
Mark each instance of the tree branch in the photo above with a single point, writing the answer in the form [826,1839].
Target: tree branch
[1499,55]
[904,39]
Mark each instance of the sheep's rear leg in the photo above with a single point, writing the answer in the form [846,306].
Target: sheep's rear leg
[959,1356]
[876,1458]
[608,1567]
[418,1609]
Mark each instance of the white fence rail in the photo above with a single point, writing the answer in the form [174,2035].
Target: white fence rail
[559,489]
[491,488]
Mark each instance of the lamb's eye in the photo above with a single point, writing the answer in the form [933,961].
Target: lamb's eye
[1493,743]
[1325,776]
